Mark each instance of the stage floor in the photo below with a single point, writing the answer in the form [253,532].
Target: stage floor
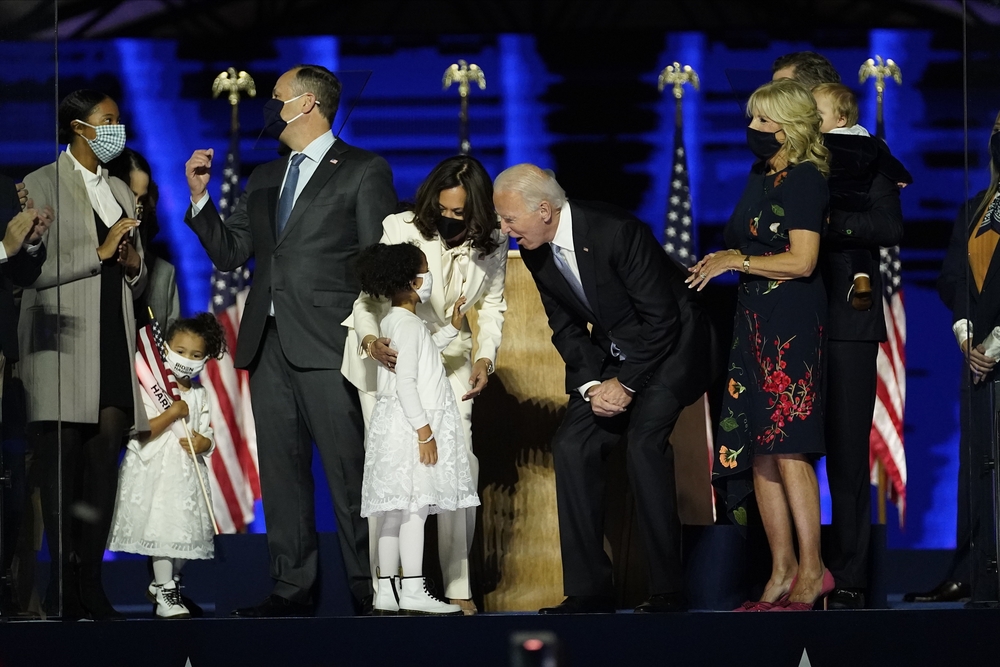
[884,637]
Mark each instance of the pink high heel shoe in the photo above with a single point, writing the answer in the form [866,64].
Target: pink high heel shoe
[760,605]
[828,586]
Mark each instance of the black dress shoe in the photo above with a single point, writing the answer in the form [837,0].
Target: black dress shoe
[663,603]
[946,591]
[275,607]
[582,604]
[846,598]
[364,606]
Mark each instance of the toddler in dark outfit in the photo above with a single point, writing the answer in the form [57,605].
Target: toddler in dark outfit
[857,158]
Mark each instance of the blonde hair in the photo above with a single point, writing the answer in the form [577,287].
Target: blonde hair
[842,99]
[789,104]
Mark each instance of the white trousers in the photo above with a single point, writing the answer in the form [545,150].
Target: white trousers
[455,529]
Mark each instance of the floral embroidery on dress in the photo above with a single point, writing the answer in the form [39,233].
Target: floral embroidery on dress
[788,398]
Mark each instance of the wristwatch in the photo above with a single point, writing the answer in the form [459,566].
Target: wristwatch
[746,264]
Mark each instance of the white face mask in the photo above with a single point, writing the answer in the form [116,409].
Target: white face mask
[424,291]
[182,367]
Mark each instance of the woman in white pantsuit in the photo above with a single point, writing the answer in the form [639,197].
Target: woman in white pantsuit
[454,224]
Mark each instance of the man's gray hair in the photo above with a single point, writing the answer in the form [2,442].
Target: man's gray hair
[533,184]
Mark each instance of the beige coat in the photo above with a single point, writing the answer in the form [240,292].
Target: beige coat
[483,290]
[68,291]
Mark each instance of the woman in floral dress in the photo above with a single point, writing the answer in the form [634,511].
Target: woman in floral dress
[771,428]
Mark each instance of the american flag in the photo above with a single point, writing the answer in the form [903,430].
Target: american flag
[887,424]
[154,377]
[678,231]
[233,467]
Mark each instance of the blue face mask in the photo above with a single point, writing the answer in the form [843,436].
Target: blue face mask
[274,124]
[109,143]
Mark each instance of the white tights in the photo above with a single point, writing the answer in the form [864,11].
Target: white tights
[401,542]
[164,569]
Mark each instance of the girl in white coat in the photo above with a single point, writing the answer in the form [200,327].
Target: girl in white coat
[416,462]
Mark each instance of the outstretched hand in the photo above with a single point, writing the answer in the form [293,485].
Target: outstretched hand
[710,266]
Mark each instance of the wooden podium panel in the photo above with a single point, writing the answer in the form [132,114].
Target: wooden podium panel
[513,423]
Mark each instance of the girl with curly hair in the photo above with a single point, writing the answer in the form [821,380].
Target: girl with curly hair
[416,462]
[160,510]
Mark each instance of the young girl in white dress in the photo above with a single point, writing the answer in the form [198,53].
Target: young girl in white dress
[161,511]
[415,456]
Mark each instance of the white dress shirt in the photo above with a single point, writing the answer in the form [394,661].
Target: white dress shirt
[99,191]
[314,152]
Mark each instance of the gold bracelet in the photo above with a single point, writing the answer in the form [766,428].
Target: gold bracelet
[424,442]
[368,347]
[746,264]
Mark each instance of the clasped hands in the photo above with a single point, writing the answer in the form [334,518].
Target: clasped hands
[609,399]
[711,265]
[980,363]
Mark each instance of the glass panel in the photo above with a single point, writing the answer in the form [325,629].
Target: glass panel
[30,474]
[978,223]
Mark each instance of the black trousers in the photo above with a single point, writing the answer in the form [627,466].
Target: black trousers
[850,401]
[292,408]
[961,562]
[579,449]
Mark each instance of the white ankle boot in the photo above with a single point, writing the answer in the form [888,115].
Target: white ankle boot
[386,597]
[168,601]
[415,600]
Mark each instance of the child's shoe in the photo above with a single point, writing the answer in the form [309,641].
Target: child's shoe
[860,293]
[416,600]
[386,597]
[168,601]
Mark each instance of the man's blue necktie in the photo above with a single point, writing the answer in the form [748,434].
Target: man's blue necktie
[574,283]
[287,199]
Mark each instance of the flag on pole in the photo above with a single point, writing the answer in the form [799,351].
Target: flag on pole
[233,467]
[890,399]
[156,379]
[678,230]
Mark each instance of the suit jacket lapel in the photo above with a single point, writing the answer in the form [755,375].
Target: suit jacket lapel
[324,171]
[554,278]
[585,258]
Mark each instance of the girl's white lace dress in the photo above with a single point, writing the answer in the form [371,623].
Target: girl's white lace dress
[160,510]
[417,393]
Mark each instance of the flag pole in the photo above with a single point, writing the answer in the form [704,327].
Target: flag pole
[464,73]
[679,240]
[879,70]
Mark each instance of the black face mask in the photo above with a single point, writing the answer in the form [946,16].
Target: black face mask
[763,144]
[274,124]
[995,149]
[449,228]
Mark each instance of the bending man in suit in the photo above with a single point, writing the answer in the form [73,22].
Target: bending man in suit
[646,358]
[304,217]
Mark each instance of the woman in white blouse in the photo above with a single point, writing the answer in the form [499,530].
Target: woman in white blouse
[77,339]
[454,224]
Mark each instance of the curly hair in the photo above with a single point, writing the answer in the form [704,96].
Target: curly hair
[790,104]
[386,270]
[480,218]
[206,327]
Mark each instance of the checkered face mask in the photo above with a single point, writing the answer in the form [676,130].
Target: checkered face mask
[110,141]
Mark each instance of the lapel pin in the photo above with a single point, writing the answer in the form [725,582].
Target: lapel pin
[334,161]
[586,249]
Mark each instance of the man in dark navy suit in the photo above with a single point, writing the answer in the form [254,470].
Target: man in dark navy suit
[647,355]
